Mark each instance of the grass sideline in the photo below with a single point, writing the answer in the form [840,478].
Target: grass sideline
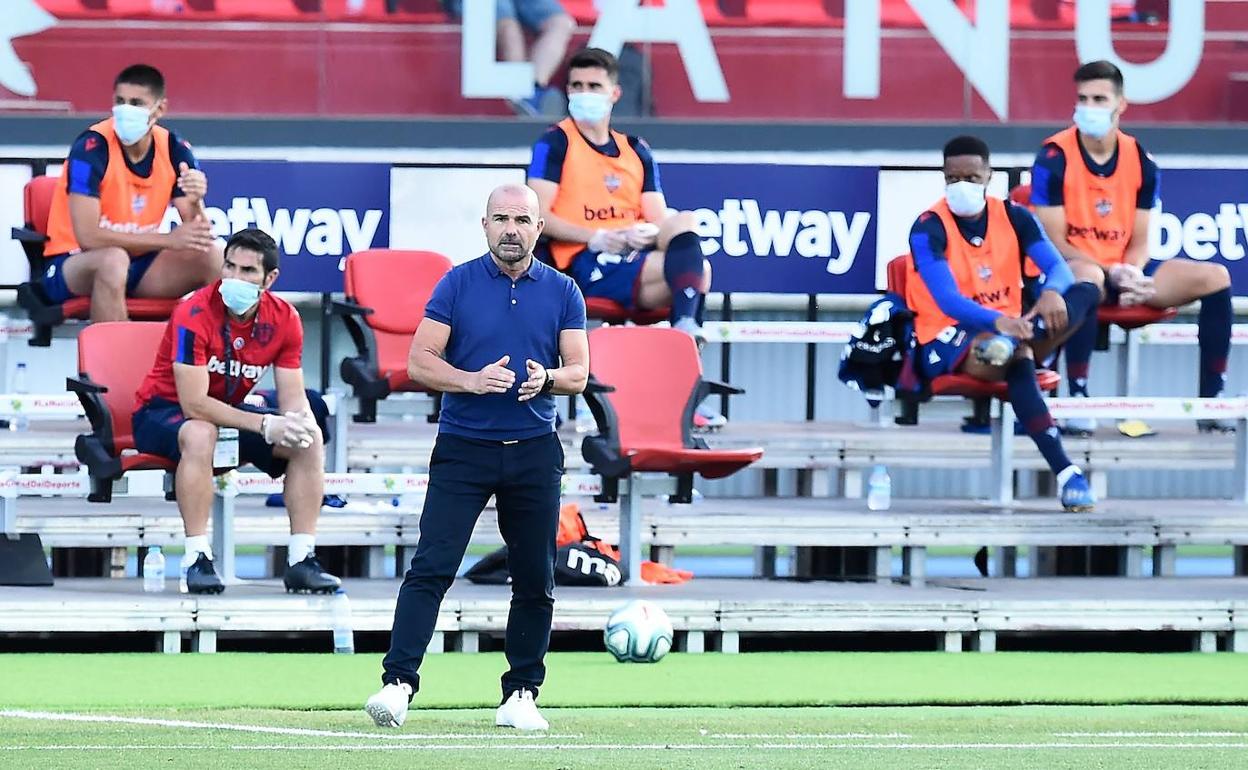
[86,682]
[1050,737]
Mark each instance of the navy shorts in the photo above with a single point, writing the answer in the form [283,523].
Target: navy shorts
[946,353]
[53,279]
[156,426]
[609,276]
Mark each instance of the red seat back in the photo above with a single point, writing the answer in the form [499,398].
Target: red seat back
[1021,195]
[654,373]
[37,202]
[897,269]
[395,284]
[118,355]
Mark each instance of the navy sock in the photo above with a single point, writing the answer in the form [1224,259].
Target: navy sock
[1078,347]
[1214,333]
[682,269]
[1020,378]
[700,315]
[1082,300]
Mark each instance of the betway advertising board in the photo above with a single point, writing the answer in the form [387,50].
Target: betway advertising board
[317,212]
[1204,216]
[779,228]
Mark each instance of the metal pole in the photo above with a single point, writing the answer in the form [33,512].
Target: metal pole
[1003,455]
[725,354]
[1240,492]
[812,314]
[223,535]
[327,333]
[630,531]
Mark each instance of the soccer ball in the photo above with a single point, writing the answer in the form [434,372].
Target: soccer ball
[638,632]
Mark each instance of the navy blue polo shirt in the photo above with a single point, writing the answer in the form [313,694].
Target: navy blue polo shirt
[491,316]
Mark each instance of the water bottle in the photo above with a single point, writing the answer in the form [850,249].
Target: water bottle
[584,421]
[340,617]
[154,570]
[879,489]
[19,421]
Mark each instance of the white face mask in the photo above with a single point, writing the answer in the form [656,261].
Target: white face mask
[130,123]
[588,107]
[965,199]
[1096,122]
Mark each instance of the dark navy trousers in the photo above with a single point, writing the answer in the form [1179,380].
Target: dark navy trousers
[524,477]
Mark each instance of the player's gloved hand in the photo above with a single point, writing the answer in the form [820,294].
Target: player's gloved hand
[609,242]
[288,430]
[305,427]
[642,235]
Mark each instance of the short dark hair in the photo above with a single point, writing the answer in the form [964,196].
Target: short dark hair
[966,145]
[596,57]
[143,75]
[1100,70]
[254,239]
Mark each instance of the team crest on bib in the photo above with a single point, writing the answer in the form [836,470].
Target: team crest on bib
[612,182]
[264,332]
[138,202]
[1104,206]
[985,272]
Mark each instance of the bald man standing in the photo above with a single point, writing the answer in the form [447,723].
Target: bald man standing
[502,335]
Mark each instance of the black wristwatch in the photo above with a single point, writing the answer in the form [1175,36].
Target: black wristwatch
[549,384]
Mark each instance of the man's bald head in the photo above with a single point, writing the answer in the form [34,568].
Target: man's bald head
[512,222]
[513,195]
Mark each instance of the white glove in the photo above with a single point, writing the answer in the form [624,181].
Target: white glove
[289,430]
[304,425]
[642,235]
[608,242]
[1134,288]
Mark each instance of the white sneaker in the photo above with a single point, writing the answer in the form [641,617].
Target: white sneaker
[520,712]
[708,418]
[1079,426]
[388,708]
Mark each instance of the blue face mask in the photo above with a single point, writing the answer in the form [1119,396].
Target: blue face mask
[240,296]
[130,123]
[1096,122]
[587,107]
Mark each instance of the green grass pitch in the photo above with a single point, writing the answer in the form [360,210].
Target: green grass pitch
[817,710]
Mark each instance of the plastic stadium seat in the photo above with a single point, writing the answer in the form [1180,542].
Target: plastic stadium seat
[611,312]
[980,392]
[1133,317]
[645,413]
[37,202]
[106,385]
[386,292]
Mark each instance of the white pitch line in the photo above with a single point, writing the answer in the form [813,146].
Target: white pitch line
[1197,734]
[646,747]
[816,736]
[55,716]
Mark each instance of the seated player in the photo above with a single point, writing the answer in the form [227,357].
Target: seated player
[217,344]
[968,252]
[120,177]
[607,222]
[1094,189]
